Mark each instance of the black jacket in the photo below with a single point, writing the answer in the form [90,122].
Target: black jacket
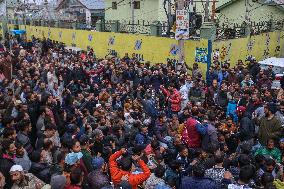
[5,166]
[247,128]
[41,171]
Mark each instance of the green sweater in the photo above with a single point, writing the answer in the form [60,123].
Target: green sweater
[269,129]
[87,159]
[275,153]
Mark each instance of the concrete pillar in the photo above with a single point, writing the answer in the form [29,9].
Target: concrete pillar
[88,18]
[272,26]
[208,31]
[100,26]
[74,25]
[115,26]
[156,28]
[247,28]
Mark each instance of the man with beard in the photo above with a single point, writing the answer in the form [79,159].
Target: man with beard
[222,98]
[22,180]
[280,113]
[98,146]
[270,126]
[212,93]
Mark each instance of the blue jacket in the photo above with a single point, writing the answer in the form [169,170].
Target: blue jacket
[222,76]
[200,183]
[232,110]
[142,139]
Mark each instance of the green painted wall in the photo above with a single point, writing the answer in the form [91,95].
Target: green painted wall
[150,10]
[235,13]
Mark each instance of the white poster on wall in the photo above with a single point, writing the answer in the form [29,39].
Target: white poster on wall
[182,24]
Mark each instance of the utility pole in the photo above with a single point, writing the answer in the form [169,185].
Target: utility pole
[6,19]
[213,11]
[180,6]
[132,15]
[206,11]
[169,17]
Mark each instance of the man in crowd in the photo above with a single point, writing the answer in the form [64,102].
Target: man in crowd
[69,118]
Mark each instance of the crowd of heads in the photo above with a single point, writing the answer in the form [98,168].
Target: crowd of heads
[73,120]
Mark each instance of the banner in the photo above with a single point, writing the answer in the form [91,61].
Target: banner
[182,24]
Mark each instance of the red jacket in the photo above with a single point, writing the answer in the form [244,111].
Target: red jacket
[174,98]
[190,134]
[134,180]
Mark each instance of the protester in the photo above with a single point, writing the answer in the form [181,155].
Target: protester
[22,180]
[67,119]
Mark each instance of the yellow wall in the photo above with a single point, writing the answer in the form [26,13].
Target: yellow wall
[153,49]
[2,30]
[256,46]
[11,26]
[157,49]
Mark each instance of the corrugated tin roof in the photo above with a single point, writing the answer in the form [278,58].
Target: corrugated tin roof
[93,4]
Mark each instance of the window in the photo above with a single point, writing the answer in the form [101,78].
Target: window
[136,4]
[114,5]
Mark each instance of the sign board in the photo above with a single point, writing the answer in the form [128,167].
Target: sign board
[182,24]
[201,55]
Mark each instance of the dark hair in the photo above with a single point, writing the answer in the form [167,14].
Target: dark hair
[155,144]
[180,148]
[246,173]
[266,178]
[49,126]
[270,162]
[73,143]
[35,157]
[75,176]
[137,149]
[6,144]
[219,157]
[42,110]
[198,170]
[18,145]
[159,171]
[161,116]
[8,132]
[243,160]
[22,125]
[61,156]
[174,165]
[259,160]
[211,116]
[270,139]
[7,120]
[126,163]
[194,111]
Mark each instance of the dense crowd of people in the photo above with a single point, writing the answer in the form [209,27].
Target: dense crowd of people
[72,120]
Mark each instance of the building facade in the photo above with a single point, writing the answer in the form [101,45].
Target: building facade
[239,11]
[84,11]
